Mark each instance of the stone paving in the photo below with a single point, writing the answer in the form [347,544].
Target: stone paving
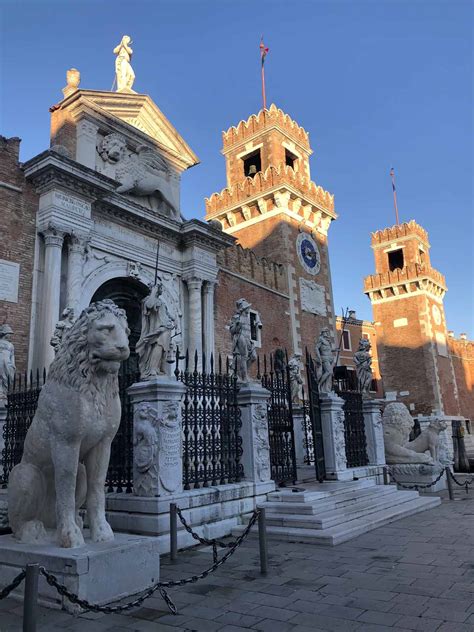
[415,574]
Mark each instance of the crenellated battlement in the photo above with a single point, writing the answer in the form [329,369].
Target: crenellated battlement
[256,123]
[406,229]
[264,182]
[408,279]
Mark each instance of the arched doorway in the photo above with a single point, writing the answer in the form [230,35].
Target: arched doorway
[128,294]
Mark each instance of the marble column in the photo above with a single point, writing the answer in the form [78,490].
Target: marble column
[252,400]
[53,240]
[334,442]
[195,319]
[374,430]
[209,287]
[74,277]
[157,440]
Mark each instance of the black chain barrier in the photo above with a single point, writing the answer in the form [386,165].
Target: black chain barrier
[464,484]
[214,542]
[14,584]
[416,487]
[159,586]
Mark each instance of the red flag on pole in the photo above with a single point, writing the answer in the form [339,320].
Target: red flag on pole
[263,51]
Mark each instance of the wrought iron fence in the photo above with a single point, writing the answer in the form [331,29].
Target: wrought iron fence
[22,399]
[308,441]
[280,421]
[212,445]
[347,387]
[314,442]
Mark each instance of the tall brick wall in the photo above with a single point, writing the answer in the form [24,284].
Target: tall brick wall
[462,356]
[17,228]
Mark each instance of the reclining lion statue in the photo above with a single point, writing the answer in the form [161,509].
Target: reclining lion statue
[397,424]
[67,448]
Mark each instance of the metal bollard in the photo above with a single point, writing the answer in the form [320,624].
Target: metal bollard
[173,532]
[386,477]
[30,599]
[449,482]
[262,540]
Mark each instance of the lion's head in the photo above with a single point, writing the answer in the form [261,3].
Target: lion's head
[96,343]
[397,422]
[112,148]
[438,425]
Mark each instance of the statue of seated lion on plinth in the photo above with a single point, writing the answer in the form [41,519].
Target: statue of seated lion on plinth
[67,448]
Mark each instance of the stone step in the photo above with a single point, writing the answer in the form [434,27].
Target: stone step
[339,516]
[328,488]
[328,502]
[348,530]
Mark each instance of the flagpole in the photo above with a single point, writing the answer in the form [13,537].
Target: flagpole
[263,88]
[392,174]
[263,54]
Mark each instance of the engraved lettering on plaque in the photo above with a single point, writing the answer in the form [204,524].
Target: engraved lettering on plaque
[9,278]
[72,204]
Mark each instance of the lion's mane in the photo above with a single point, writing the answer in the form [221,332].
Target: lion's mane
[72,364]
[397,422]
[108,141]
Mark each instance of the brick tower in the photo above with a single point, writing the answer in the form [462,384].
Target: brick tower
[274,209]
[407,293]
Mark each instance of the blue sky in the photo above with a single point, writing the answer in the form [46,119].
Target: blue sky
[376,83]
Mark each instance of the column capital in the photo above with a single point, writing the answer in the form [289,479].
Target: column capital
[76,243]
[209,286]
[87,128]
[194,282]
[53,236]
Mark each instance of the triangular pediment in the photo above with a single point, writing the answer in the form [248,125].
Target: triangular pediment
[139,111]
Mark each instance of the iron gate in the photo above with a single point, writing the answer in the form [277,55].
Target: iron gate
[280,423]
[313,431]
[346,386]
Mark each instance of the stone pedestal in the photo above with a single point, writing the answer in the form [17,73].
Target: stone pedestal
[98,572]
[300,438]
[419,474]
[332,421]
[157,442]
[374,431]
[252,400]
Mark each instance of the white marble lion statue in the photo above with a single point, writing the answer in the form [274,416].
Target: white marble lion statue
[67,447]
[397,425]
[144,173]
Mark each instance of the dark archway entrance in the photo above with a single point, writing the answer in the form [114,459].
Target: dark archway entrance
[128,294]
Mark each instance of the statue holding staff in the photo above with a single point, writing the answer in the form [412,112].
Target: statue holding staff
[324,360]
[243,348]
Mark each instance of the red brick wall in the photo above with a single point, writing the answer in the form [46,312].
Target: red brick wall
[462,356]
[17,227]
[63,130]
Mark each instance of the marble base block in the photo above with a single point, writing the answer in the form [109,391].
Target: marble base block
[419,474]
[98,572]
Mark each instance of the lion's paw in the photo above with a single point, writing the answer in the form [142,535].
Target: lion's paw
[102,532]
[70,536]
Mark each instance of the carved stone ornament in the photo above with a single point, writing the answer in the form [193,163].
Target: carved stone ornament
[397,425]
[134,269]
[296,381]
[62,327]
[144,173]
[145,450]
[7,360]
[69,439]
[262,446]
[339,441]
[363,364]
[170,447]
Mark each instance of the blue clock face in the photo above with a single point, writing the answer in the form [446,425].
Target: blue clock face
[308,253]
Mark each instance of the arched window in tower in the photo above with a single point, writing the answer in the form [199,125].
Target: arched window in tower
[252,163]
[291,160]
[395,259]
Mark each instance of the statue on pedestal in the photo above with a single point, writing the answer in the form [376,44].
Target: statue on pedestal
[67,447]
[62,327]
[158,325]
[243,348]
[296,381]
[123,70]
[363,364]
[324,360]
[7,360]
[397,424]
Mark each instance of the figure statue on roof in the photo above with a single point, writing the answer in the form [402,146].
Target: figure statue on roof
[123,70]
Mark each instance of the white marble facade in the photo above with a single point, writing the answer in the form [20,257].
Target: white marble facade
[89,233]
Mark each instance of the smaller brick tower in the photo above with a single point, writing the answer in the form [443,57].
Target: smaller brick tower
[407,293]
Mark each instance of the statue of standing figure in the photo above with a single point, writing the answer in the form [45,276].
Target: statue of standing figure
[296,381]
[324,360]
[123,70]
[158,325]
[7,360]
[243,348]
[363,364]
[63,326]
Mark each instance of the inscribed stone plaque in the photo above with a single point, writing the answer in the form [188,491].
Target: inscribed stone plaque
[73,204]
[9,276]
[312,297]
[441,344]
